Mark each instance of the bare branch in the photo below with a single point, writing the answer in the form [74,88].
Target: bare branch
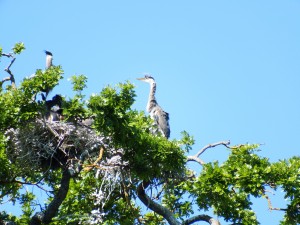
[225,143]
[9,55]
[52,209]
[205,218]
[200,161]
[14,180]
[34,184]
[270,203]
[11,76]
[164,212]
[4,80]
[194,158]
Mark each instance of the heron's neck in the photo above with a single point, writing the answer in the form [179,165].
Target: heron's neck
[151,100]
[48,61]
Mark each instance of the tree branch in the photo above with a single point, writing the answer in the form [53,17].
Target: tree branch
[11,76]
[159,209]
[200,161]
[4,80]
[195,159]
[225,143]
[34,184]
[270,203]
[9,55]
[205,218]
[46,216]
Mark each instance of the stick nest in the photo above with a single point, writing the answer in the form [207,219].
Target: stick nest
[43,144]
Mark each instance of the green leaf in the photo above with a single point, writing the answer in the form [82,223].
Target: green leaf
[18,48]
[79,82]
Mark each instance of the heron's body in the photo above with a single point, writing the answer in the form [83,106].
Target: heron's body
[54,111]
[54,115]
[49,59]
[160,117]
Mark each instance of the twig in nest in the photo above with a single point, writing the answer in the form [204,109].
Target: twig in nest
[89,167]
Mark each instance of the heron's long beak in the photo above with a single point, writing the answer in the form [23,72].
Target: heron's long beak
[142,78]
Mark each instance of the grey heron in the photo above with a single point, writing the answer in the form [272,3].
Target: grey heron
[160,117]
[49,59]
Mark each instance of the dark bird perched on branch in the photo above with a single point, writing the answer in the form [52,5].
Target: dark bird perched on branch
[56,100]
[54,111]
[160,117]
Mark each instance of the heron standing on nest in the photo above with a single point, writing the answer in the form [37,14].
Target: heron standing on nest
[160,117]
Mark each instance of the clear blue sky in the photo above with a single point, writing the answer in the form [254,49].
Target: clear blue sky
[226,70]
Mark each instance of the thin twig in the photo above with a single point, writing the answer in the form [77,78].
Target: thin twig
[24,183]
[35,184]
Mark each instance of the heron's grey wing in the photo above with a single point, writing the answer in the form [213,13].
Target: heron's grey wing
[161,118]
[164,124]
[155,116]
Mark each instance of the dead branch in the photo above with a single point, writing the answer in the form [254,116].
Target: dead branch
[11,76]
[50,212]
[166,213]
[9,55]
[225,143]
[205,218]
[196,158]
[4,80]
[270,203]
[159,209]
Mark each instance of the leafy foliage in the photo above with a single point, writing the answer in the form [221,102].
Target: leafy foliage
[130,155]
[18,48]
[79,82]
[228,187]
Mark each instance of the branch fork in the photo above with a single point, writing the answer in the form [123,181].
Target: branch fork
[196,158]
[7,69]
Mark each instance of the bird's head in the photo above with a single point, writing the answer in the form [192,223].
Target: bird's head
[147,79]
[48,53]
[57,99]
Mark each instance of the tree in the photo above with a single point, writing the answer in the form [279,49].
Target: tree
[100,163]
